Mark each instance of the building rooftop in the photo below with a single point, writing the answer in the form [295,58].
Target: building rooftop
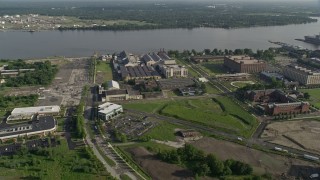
[36,110]
[244,59]
[116,92]
[108,107]
[42,123]
[113,84]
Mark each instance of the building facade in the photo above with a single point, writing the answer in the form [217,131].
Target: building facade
[287,108]
[244,64]
[302,75]
[174,71]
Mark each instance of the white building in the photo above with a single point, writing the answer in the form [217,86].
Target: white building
[40,110]
[113,85]
[108,111]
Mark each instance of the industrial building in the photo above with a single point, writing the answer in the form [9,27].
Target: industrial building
[108,111]
[138,72]
[172,84]
[161,57]
[303,75]
[41,125]
[244,64]
[117,95]
[287,108]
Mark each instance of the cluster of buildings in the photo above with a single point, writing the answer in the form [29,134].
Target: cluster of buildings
[149,66]
[30,21]
[29,121]
[276,102]
[302,75]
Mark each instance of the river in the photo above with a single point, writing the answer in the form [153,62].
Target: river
[17,44]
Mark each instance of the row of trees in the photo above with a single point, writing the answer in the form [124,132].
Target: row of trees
[78,121]
[267,55]
[204,165]
[42,75]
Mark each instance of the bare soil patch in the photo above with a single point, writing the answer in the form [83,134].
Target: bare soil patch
[157,169]
[262,162]
[302,134]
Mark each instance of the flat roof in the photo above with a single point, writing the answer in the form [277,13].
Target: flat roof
[36,110]
[41,124]
[108,107]
[244,59]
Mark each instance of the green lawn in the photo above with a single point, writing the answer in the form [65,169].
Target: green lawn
[214,67]
[63,164]
[211,89]
[314,96]
[105,70]
[147,106]
[163,131]
[230,117]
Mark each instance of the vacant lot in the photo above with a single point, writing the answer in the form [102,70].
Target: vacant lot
[314,96]
[104,72]
[214,67]
[223,116]
[156,168]
[261,162]
[163,131]
[303,134]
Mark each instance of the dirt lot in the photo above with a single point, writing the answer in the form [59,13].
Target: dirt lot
[156,168]
[303,134]
[261,162]
[67,85]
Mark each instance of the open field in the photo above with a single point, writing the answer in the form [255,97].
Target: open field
[62,165]
[157,169]
[208,112]
[301,134]
[225,115]
[262,162]
[240,84]
[147,106]
[103,72]
[214,68]
[163,131]
[314,96]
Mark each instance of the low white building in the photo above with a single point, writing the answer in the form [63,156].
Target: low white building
[108,111]
[39,110]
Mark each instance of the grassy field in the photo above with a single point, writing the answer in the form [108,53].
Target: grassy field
[104,71]
[61,164]
[314,96]
[147,106]
[163,131]
[214,68]
[230,117]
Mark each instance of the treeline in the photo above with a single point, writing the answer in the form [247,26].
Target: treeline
[267,55]
[78,119]
[42,75]
[176,15]
[204,165]
[9,101]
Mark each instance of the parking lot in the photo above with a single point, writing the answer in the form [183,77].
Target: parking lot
[132,126]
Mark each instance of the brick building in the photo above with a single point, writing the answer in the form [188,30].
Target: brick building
[287,108]
[244,64]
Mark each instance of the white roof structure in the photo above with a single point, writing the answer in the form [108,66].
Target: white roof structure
[106,108]
[113,85]
[35,110]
